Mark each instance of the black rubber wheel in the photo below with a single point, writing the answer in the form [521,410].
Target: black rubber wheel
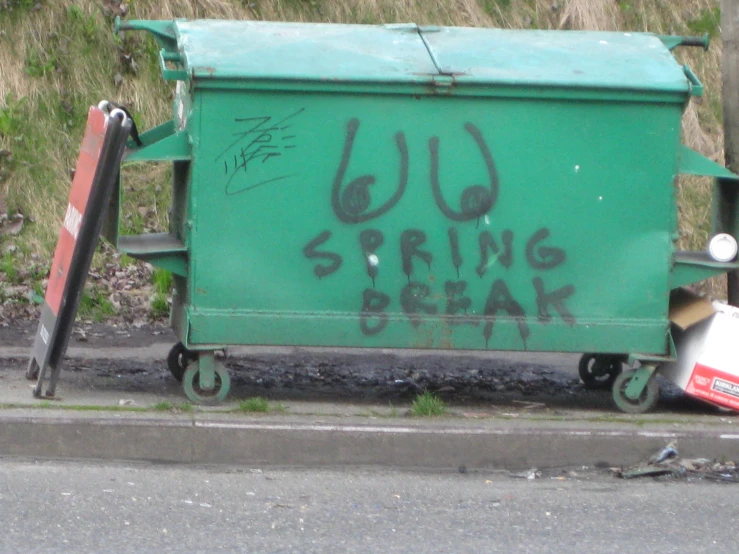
[599,371]
[178,359]
[646,401]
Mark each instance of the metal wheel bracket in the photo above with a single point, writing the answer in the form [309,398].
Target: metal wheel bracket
[206,371]
[639,382]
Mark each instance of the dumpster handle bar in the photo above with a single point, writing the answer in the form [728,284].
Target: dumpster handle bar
[696,87]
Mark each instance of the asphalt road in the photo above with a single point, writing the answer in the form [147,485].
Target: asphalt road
[76,507]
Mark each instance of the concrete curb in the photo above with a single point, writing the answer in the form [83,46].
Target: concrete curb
[254,442]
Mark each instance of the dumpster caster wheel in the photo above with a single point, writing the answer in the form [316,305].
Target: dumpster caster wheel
[646,401]
[599,371]
[178,359]
[193,390]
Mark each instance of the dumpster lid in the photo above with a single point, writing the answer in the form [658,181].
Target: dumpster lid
[407,53]
[567,59]
[304,51]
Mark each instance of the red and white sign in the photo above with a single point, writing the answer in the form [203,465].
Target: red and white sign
[84,175]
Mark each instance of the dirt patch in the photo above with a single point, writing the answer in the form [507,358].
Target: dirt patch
[465,382]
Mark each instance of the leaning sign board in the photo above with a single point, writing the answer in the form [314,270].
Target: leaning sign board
[95,175]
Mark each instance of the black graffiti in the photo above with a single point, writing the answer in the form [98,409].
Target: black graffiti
[410,240]
[370,240]
[498,299]
[487,242]
[411,300]
[543,257]
[454,244]
[455,301]
[476,200]
[373,318]
[311,253]
[351,206]
[556,298]
[261,140]
[417,301]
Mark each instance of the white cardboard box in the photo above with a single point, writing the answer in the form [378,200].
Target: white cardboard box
[707,342]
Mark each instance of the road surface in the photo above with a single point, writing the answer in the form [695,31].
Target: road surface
[79,507]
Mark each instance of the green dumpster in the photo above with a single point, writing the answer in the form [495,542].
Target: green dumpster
[402,186]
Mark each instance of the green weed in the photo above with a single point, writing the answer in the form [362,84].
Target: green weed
[12,116]
[708,21]
[162,280]
[165,406]
[94,305]
[82,25]
[126,261]
[159,306]
[40,64]
[37,297]
[255,404]
[492,7]
[7,267]
[11,5]
[428,404]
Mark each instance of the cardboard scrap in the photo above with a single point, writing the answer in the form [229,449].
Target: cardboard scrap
[707,365]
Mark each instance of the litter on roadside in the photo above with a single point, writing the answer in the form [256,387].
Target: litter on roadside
[706,366]
[668,463]
[529,475]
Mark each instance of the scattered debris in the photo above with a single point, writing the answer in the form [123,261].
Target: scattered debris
[475,415]
[667,464]
[667,453]
[530,405]
[529,475]
[14,227]
[114,8]
[408,384]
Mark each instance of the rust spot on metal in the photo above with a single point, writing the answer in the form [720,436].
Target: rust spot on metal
[205,68]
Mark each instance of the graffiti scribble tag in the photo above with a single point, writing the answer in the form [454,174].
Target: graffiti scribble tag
[259,141]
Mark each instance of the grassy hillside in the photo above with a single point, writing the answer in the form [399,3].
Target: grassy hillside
[57,57]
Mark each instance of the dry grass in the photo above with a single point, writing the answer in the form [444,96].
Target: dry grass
[593,15]
[60,62]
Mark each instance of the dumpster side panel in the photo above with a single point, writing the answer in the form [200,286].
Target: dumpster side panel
[431,221]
